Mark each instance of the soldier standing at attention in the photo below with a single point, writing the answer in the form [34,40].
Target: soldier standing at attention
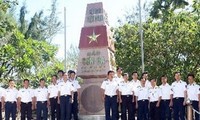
[26,101]
[41,97]
[10,99]
[126,95]
[118,78]
[65,97]
[135,83]
[165,99]
[179,97]
[53,98]
[193,94]
[109,96]
[154,99]
[142,101]
[77,87]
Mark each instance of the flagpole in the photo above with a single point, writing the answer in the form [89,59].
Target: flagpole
[141,36]
[65,47]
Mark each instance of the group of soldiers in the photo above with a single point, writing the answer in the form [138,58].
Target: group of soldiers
[151,102]
[61,97]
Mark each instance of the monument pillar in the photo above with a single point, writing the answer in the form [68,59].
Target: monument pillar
[96,57]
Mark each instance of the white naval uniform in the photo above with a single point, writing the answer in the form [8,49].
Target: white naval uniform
[110,87]
[193,91]
[142,93]
[65,88]
[178,88]
[76,85]
[41,94]
[10,94]
[59,80]
[118,79]
[26,95]
[154,94]
[135,84]
[166,91]
[53,90]
[126,88]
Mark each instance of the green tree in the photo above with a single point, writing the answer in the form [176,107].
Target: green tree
[162,7]
[169,46]
[25,57]
[40,27]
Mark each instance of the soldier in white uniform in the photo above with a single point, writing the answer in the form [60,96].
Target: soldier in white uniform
[10,99]
[118,78]
[166,99]
[41,97]
[65,97]
[77,87]
[109,96]
[179,97]
[26,101]
[154,99]
[135,83]
[126,95]
[142,101]
[53,98]
[193,94]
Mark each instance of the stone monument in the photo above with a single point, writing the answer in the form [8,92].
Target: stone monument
[96,57]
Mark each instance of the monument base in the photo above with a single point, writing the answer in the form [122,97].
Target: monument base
[91,117]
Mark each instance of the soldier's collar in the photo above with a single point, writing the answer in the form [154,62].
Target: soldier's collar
[179,81]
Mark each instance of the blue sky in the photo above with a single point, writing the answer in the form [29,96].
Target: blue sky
[75,13]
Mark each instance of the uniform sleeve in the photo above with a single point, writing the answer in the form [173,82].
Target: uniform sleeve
[78,85]
[136,91]
[119,87]
[149,92]
[185,86]
[159,92]
[48,89]
[59,86]
[198,89]
[103,85]
[72,87]
[3,92]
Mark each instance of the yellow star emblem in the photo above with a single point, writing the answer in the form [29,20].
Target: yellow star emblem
[93,37]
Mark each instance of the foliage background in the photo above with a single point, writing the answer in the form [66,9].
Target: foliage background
[171,40]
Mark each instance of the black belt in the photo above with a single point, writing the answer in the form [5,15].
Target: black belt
[143,100]
[111,96]
[11,102]
[66,95]
[42,102]
[127,95]
[53,97]
[179,98]
[165,100]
